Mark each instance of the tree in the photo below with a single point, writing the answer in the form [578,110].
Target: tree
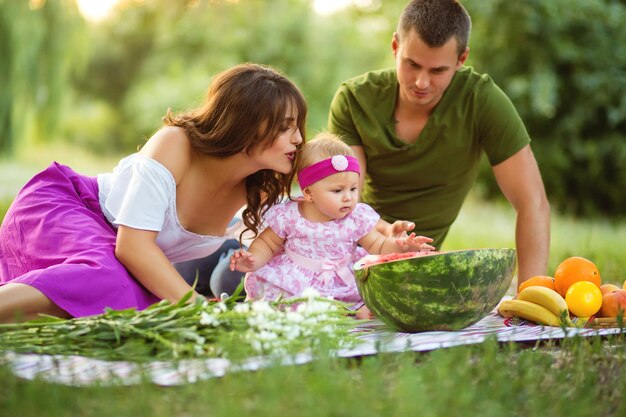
[563,65]
[35,38]
[159,54]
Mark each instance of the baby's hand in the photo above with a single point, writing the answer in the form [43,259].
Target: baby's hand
[364,313]
[400,228]
[414,243]
[242,261]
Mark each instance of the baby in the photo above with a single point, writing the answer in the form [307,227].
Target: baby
[313,242]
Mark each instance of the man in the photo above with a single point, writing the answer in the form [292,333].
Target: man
[419,131]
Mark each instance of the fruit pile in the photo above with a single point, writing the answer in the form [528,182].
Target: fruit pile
[575,291]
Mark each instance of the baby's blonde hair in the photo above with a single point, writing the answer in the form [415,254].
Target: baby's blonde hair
[323,145]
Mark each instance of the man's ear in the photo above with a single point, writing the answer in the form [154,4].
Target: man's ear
[306,193]
[395,43]
[462,58]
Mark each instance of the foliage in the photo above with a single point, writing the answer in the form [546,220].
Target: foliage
[159,54]
[34,39]
[559,61]
[166,331]
[561,64]
[5,203]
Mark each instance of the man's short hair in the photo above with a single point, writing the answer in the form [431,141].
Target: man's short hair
[436,21]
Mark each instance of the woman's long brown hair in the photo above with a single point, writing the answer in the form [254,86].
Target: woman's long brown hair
[245,109]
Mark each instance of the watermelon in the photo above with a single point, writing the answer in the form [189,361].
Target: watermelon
[436,291]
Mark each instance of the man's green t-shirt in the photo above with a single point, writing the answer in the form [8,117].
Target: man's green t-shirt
[426,182]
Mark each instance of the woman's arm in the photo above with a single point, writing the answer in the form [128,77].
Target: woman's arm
[138,252]
[136,248]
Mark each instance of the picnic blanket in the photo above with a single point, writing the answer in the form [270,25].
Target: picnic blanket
[373,338]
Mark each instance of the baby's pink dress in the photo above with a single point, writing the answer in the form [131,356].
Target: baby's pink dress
[331,246]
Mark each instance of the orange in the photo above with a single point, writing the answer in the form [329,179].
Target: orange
[583,298]
[624,285]
[540,280]
[575,269]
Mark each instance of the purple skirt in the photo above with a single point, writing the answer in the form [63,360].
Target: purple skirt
[56,239]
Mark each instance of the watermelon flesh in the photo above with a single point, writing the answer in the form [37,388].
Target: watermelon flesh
[424,291]
[370,260]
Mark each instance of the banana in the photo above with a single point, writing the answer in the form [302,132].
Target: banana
[529,311]
[546,297]
[549,299]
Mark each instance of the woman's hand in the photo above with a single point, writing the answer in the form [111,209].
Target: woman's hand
[242,261]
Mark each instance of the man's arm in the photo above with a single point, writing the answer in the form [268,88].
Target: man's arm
[359,152]
[520,181]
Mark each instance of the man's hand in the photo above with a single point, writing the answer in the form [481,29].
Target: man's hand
[400,228]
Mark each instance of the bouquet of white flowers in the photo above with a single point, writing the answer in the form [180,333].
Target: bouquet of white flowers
[204,329]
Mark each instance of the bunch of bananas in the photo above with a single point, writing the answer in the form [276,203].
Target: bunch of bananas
[538,304]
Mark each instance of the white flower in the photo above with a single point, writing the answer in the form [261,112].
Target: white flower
[255,321]
[314,306]
[256,345]
[220,307]
[291,332]
[310,293]
[328,329]
[262,306]
[265,335]
[207,319]
[242,308]
[294,317]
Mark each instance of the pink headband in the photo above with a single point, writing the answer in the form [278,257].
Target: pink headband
[322,169]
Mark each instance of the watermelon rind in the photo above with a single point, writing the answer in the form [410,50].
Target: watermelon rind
[443,291]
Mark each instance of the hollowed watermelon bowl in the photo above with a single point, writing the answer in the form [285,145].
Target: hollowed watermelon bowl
[439,291]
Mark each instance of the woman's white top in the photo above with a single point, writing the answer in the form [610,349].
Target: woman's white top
[141,193]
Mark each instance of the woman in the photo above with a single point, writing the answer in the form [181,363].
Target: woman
[72,245]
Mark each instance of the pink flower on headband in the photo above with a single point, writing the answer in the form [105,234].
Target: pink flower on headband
[326,167]
[339,162]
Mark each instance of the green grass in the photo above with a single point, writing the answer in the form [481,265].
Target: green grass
[579,377]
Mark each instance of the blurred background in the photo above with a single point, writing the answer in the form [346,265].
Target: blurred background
[87,81]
